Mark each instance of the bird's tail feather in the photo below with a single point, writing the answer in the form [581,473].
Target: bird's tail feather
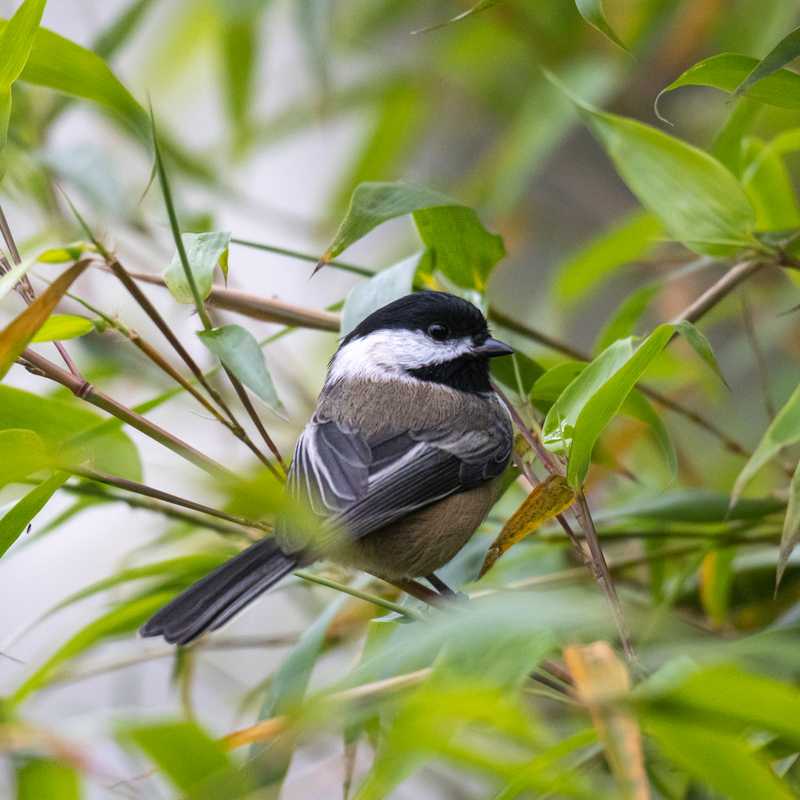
[213,600]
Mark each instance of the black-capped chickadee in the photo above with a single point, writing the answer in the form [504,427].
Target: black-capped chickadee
[402,455]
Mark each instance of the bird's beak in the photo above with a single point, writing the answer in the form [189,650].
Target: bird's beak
[492,348]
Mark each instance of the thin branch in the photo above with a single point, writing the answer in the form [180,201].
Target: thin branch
[39,365]
[157,507]
[265,309]
[166,497]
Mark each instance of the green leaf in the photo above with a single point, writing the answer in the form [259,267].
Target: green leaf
[22,452]
[57,63]
[68,426]
[783,53]
[769,186]
[375,203]
[624,320]
[16,41]
[17,519]
[370,295]
[183,570]
[290,682]
[697,199]
[592,12]
[238,350]
[791,527]
[120,621]
[700,344]
[40,778]
[14,338]
[718,759]
[314,20]
[194,762]
[600,409]
[63,326]
[630,239]
[782,432]
[459,246]
[481,5]
[238,41]
[726,71]
[205,251]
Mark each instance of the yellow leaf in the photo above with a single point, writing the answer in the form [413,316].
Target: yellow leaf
[15,337]
[547,500]
[601,679]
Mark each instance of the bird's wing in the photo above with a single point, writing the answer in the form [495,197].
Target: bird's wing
[362,485]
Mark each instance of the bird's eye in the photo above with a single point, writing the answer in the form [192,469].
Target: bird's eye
[438,332]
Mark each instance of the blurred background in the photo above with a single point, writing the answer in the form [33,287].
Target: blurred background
[274,111]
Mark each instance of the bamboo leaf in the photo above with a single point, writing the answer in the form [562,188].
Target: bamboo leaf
[16,336]
[40,778]
[69,427]
[782,432]
[601,684]
[481,5]
[786,51]
[370,295]
[375,203]
[57,63]
[16,42]
[791,527]
[22,452]
[58,327]
[547,500]
[592,12]
[699,202]
[205,252]
[194,762]
[700,344]
[238,350]
[17,519]
[727,71]
[120,621]
[768,184]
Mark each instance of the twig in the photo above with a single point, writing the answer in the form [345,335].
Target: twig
[85,391]
[166,497]
[265,309]
[157,507]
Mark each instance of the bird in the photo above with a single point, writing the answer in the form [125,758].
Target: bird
[402,457]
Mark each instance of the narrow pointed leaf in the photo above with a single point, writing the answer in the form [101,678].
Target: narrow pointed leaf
[375,203]
[726,72]
[16,42]
[481,5]
[17,519]
[63,326]
[16,336]
[782,432]
[548,499]
[592,12]
[791,527]
[700,344]
[195,763]
[120,621]
[205,252]
[700,203]
[786,51]
[238,350]
[22,452]
[11,278]
[623,321]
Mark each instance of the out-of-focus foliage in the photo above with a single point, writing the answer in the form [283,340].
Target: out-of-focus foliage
[615,184]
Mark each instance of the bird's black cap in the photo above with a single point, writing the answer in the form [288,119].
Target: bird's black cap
[419,311]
